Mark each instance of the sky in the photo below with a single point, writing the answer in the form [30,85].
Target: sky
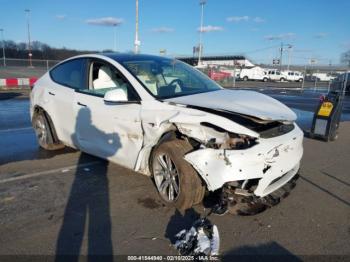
[255,28]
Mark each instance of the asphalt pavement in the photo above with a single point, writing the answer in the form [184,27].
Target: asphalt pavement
[67,202]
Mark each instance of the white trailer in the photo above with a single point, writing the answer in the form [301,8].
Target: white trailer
[323,77]
[254,73]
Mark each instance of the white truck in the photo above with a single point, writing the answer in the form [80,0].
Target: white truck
[254,73]
[292,76]
[274,74]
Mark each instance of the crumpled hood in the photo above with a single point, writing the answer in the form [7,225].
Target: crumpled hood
[240,101]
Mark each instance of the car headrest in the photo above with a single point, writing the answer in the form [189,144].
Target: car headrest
[104,73]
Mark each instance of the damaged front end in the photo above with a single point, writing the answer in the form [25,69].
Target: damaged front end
[254,172]
[246,157]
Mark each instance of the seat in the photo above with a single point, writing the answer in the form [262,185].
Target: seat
[104,79]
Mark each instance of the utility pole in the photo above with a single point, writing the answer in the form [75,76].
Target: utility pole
[27,11]
[289,55]
[202,3]
[137,41]
[3,46]
[281,55]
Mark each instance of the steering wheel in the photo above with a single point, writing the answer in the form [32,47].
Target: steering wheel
[178,81]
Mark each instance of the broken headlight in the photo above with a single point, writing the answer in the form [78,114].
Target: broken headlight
[234,142]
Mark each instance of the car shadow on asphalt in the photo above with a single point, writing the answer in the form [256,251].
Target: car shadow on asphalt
[88,206]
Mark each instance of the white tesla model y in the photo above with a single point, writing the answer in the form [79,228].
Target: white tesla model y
[165,119]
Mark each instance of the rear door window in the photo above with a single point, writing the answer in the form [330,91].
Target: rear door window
[71,73]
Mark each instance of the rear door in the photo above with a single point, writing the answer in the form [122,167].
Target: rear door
[108,130]
[66,77]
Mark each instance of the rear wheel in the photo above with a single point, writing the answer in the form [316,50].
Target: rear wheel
[177,182]
[44,132]
[265,79]
[245,78]
[282,79]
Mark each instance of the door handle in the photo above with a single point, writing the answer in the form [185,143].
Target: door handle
[80,104]
[53,94]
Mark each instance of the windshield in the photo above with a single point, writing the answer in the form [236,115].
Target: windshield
[167,78]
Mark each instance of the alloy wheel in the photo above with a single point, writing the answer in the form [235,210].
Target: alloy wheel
[166,177]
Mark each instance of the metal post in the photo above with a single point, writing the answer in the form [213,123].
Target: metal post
[345,83]
[289,55]
[303,82]
[3,46]
[234,74]
[115,37]
[281,55]
[316,81]
[137,41]
[329,82]
[47,65]
[202,3]
[29,42]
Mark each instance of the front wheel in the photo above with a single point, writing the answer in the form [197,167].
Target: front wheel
[177,182]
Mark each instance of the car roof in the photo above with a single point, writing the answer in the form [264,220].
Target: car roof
[121,57]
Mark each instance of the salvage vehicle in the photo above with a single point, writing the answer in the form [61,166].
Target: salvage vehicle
[165,119]
[218,75]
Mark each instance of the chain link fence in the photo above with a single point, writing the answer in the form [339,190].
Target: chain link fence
[36,63]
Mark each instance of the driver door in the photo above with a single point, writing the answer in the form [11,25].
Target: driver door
[108,130]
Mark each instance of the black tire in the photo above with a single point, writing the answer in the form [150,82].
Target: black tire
[282,79]
[265,79]
[45,132]
[190,187]
[301,80]
[245,78]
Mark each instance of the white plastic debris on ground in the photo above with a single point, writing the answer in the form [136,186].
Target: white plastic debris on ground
[201,239]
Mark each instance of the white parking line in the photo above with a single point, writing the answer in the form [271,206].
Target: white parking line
[48,172]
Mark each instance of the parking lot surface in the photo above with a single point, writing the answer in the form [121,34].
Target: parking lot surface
[68,202]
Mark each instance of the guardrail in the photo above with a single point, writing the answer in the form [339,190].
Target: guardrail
[17,82]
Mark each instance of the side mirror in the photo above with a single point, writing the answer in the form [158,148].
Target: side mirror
[115,95]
